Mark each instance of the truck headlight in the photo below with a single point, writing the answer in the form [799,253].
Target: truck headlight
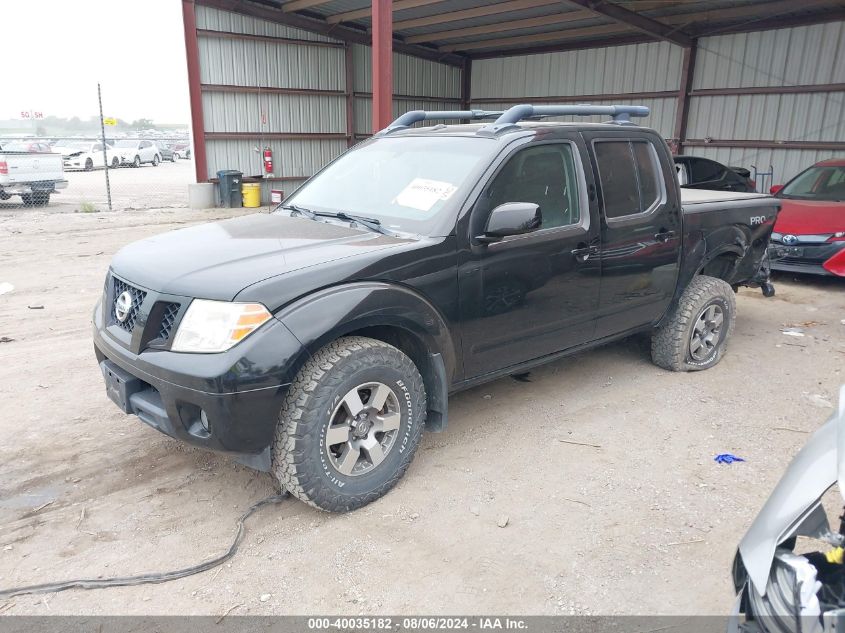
[215,326]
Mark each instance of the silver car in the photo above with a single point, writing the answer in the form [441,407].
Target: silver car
[780,590]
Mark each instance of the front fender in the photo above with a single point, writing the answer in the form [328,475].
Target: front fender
[338,310]
[794,509]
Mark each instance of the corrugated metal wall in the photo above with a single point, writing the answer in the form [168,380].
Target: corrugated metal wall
[650,73]
[436,86]
[303,62]
[803,55]
[636,68]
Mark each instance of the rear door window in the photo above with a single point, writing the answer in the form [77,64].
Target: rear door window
[630,177]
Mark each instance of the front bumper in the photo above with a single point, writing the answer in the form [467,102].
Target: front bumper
[227,402]
[813,258]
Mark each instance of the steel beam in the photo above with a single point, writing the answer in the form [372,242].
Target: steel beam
[835,146]
[637,21]
[276,136]
[299,5]
[382,64]
[499,27]
[619,96]
[226,35]
[519,40]
[336,31]
[189,21]
[270,90]
[558,47]
[349,67]
[477,12]
[466,84]
[399,5]
[682,109]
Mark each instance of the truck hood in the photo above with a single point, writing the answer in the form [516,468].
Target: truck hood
[218,260]
[810,217]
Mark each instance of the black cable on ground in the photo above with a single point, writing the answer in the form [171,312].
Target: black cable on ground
[146,579]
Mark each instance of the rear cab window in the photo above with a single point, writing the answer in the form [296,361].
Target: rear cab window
[629,176]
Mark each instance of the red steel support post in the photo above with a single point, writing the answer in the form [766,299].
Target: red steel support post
[382,64]
[189,19]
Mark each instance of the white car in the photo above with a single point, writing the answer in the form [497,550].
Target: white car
[85,155]
[135,152]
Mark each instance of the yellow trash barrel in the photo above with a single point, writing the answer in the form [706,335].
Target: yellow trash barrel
[252,194]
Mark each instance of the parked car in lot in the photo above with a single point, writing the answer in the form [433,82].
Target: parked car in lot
[702,173]
[25,146]
[166,152]
[317,342]
[86,155]
[31,175]
[784,584]
[182,150]
[809,236]
[136,152]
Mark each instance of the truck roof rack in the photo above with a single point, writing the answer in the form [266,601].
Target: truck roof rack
[509,118]
[415,116]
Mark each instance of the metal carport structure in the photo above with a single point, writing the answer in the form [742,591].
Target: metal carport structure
[729,79]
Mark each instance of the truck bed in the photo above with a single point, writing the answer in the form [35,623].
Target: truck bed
[696,200]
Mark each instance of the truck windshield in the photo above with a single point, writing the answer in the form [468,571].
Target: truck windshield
[404,182]
[817,183]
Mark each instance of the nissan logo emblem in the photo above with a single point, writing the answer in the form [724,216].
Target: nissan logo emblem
[789,240]
[122,306]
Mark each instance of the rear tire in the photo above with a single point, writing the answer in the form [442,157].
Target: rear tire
[350,425]
[136,162]
[115,162]
[695,335]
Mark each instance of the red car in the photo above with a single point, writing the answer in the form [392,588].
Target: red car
[809,235]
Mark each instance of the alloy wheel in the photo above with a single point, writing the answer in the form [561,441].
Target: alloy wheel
[706,333]
[363,429]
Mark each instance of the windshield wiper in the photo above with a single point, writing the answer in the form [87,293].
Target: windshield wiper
[371,223]
[301,211]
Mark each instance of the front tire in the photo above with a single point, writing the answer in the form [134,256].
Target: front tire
[695,336]
[350,425]
[89,164]
[137,162]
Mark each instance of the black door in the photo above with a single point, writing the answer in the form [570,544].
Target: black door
[531,295]
[640,232]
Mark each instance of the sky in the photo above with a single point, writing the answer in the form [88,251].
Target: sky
[55,52]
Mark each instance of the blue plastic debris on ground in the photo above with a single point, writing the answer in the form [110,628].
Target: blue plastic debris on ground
[727,458]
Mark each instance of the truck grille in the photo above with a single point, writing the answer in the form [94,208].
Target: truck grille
[168,320]
[137,296]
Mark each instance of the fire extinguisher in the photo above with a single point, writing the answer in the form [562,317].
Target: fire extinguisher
[268,161]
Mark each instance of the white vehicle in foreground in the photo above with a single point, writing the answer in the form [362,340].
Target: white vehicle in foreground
[31,175]
[86,155]
[136,152]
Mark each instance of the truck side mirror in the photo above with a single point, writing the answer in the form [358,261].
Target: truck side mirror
[511,218]
[775,189]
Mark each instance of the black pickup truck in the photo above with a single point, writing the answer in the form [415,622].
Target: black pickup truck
[319,340]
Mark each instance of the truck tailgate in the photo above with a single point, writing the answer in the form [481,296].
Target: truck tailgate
[21,167]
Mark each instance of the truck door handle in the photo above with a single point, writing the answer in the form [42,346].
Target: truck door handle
[664,236]
[583,252]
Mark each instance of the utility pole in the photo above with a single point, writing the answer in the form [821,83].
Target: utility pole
[103,140]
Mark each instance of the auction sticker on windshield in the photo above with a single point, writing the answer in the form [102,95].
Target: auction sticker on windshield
[423,194]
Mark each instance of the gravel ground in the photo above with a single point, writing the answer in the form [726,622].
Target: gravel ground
[632,517]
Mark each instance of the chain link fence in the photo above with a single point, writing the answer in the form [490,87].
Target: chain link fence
[130,171]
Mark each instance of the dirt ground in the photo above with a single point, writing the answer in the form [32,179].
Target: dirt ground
[643,522]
